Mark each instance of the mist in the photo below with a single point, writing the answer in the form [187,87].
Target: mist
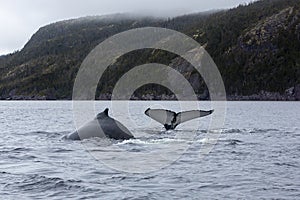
[21,19]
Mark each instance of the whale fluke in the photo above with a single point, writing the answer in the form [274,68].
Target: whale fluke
[170,119]
[102,126]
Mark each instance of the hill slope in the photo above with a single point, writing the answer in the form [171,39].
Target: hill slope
[256,47]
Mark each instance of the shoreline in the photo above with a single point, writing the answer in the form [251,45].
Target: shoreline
[227,99]
[292,94]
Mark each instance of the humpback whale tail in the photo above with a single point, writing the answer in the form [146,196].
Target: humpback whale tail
[171,119]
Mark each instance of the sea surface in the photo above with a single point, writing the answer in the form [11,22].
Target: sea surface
[257,155]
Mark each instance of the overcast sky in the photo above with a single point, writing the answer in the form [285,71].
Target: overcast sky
[19,19]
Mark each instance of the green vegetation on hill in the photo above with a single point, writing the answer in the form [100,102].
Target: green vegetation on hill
[255,46]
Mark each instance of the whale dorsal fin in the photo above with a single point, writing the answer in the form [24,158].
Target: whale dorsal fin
[102,114]
[171,119]
[106,112]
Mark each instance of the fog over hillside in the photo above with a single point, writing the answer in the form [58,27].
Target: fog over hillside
[21,19]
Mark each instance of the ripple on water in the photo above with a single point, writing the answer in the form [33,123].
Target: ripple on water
[38,183]
[252,158]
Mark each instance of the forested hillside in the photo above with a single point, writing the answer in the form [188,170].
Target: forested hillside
[256,48]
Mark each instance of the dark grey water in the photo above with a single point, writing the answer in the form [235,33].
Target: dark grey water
[257,156]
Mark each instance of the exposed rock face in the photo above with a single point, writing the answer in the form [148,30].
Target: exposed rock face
[23,97]
[105,96]
[290,95]
[261,57]
[297,92]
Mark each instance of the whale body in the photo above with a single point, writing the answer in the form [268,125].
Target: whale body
[102,126]
[171,119]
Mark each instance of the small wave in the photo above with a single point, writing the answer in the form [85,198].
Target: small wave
[43,183]
[233,130]
[135,150]
[152,132]
[208,140]
[259,130]
[104,150]
[48,134]
[21,157]
[150,141]
[202,131]
[60,150]
[252,130]
[21,149]
[233,142]
[286,164]
[37,133]
[147,178]
[131,141]
[119,178]
[215,140]
[15,150]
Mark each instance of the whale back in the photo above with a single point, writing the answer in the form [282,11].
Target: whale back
[114,129]
[102,126]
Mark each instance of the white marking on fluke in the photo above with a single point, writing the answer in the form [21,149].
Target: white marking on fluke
[171,119]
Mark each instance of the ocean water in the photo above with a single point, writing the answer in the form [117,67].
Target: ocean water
[257,155]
